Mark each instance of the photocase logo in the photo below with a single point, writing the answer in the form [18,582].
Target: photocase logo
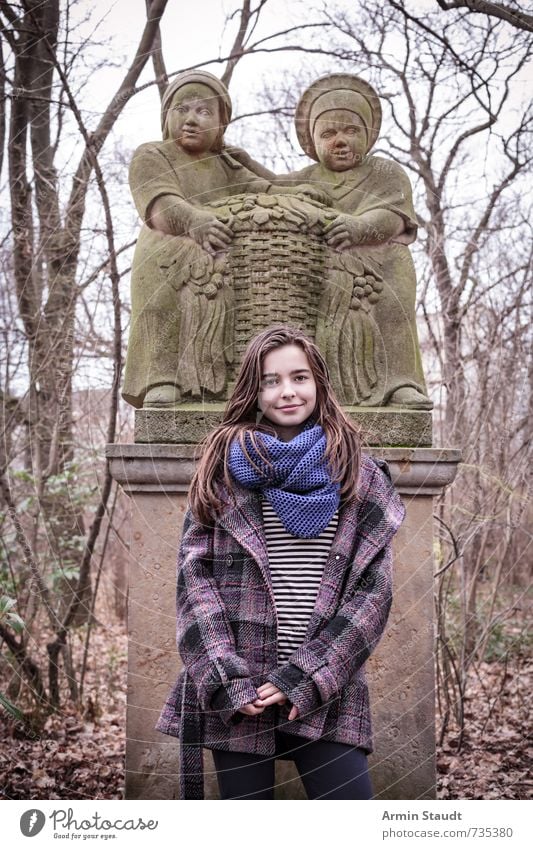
[31,822]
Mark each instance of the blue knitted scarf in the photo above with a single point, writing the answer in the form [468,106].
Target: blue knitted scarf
[298,486]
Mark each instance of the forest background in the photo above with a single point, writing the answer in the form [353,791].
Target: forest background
[80,88]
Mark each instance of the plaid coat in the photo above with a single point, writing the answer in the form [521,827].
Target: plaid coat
[227,638]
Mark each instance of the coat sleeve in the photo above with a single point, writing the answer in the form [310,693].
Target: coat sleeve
[204,637]
[317,671]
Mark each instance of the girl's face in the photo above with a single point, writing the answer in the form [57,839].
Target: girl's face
[194,123]
[287,396]
[340,139]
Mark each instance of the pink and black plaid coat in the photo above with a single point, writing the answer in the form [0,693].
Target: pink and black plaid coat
[226,632]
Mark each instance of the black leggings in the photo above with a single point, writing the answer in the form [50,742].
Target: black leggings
[328,770]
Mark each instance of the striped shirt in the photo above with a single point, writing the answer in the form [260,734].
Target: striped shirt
[296,567]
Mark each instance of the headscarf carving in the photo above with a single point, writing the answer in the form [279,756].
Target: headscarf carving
[204,83]
[337,91]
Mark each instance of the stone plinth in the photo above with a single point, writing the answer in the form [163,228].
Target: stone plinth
[189,423]
[400,673]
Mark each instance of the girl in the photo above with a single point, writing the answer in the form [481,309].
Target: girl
[284,584]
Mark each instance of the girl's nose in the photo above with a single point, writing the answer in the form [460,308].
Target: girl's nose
[288,391]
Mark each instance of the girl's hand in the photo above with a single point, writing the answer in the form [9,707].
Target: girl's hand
[253,708]
[270,695]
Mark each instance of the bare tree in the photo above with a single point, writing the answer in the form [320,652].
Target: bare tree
[46,248]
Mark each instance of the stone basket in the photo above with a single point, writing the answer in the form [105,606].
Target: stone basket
[276,262]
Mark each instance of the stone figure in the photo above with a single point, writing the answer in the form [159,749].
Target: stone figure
[366,325]
[179,336]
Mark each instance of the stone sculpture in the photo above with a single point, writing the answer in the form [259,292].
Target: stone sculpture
[227,248]
[178,284]
[366,320]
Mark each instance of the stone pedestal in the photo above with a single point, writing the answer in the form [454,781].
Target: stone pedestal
[400,673]
[189,423]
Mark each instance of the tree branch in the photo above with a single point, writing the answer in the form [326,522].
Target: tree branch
[27,551]
[161,76]
[56,646]
[515,17]
[26,663]
[95,141]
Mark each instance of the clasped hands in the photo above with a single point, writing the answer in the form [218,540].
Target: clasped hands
[268,694]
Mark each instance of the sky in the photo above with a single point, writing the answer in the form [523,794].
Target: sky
[192,33]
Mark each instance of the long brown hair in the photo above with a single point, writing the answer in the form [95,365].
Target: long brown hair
[343,442]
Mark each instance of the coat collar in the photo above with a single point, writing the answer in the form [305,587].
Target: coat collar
[243,519]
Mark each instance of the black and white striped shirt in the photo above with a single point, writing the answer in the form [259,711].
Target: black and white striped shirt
[296,567]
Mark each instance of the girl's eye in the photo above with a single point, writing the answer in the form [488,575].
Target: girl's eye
[301,377]
[269,381]
[327,134]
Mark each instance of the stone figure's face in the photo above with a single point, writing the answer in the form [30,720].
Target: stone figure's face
[287,396]
[340,139]
[195,123]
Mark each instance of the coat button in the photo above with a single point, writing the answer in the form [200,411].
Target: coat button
[229,560]
[337,557]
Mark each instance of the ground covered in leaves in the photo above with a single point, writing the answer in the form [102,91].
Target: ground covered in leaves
[492,758]
[79,754]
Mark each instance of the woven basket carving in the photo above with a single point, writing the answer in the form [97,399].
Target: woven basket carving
[276,263]
[277,279]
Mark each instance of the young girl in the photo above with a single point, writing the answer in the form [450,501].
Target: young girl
[284,585]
